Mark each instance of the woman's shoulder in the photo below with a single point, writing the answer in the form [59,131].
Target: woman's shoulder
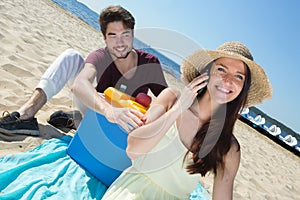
[235,145]
[234,152]
[233,156]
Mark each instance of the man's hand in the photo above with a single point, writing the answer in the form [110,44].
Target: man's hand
[128,118]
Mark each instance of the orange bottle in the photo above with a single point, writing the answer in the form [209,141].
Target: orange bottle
[120,99]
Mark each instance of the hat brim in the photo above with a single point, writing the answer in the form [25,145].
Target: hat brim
[260,87]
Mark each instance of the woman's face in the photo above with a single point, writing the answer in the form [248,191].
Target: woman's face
[227,78]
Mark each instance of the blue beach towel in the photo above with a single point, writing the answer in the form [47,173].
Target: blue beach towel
[47,172]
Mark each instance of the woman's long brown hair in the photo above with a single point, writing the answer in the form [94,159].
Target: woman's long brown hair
[209,145]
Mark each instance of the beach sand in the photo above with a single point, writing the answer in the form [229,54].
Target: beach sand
[34,33]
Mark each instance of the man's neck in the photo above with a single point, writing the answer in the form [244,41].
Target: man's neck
[127,65]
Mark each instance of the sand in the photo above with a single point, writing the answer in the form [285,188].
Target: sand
[34,33]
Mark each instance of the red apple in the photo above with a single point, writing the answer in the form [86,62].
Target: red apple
[143,99]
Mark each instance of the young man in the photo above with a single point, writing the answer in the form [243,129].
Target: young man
[118,65]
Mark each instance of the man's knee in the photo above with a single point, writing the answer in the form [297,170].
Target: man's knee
[72,53]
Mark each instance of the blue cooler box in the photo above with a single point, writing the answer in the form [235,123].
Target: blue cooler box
[99,146]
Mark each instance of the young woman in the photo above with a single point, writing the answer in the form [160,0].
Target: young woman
[191,133]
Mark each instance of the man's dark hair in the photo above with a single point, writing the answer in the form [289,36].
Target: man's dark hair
[115,14]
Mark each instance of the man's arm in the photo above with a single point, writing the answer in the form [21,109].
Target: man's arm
[88,95]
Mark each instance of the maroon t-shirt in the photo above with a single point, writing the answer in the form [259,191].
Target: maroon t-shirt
[148,75]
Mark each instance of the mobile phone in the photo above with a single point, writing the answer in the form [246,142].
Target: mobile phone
[201,90]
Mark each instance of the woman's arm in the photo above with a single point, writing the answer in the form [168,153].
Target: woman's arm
[224,179]
[161,116]
[143,139]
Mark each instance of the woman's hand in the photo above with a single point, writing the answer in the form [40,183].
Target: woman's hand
[190,91]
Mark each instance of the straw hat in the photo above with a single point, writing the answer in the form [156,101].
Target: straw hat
[260,87]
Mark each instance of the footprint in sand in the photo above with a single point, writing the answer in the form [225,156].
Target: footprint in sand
[19,48]
[7,84]
[13,58]
[1,36]
[16,71]
[10,90]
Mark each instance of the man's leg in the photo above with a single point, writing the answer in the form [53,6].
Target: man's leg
[65,68]
[37,100]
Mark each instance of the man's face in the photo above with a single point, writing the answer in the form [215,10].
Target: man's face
[119,40]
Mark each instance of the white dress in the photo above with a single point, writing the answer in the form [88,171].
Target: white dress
[158,175]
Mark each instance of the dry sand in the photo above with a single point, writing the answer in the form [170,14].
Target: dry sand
[34,33]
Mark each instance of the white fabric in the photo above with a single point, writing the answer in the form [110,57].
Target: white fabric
[64,69]
[160,174]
